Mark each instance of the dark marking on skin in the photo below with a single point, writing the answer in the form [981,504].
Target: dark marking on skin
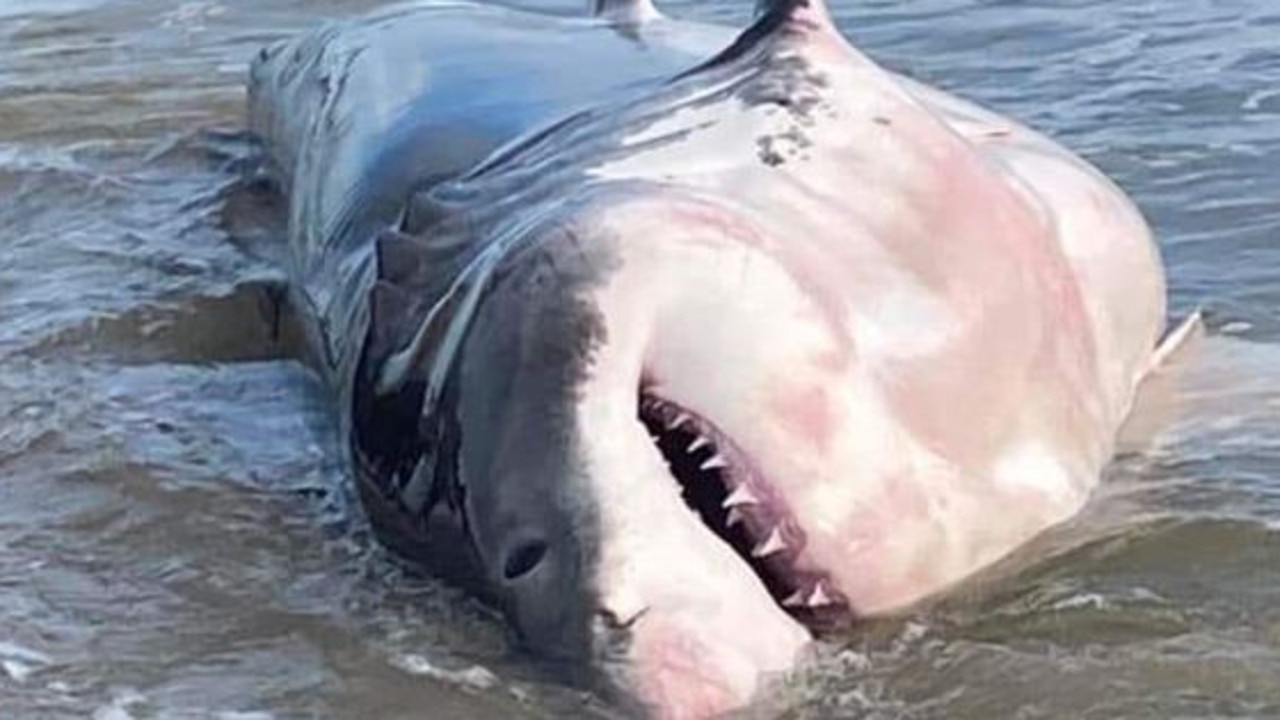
[788,83]
[774,150]
[776,17]
[767,154]
[883,121]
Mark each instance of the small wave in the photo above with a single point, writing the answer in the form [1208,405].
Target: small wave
[20,663]
[475,678]
[124,705]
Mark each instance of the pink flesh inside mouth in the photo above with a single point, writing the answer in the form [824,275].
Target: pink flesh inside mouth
[735,501]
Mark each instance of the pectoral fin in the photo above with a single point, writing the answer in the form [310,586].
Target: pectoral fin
[1157,401]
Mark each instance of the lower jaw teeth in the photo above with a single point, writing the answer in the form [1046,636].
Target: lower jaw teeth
[819,597]
[735,517]
[771,545]
[816,598]
[741,495]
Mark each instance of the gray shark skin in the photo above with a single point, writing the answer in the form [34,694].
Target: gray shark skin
[656,335]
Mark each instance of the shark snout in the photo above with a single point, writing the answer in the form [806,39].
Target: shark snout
[684,625]
[681,661]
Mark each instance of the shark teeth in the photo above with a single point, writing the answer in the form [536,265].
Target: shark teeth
[715,462]
[741,495]
[726,491]
[772,545]
[734,518]
[818,597]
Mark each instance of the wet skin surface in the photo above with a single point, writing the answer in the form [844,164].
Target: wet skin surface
[177,542]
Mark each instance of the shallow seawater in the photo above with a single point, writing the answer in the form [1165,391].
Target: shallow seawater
[177,538]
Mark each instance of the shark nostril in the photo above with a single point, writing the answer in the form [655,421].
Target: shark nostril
[524,558]
[614,621]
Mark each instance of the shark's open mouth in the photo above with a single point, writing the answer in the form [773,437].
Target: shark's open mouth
[727,491]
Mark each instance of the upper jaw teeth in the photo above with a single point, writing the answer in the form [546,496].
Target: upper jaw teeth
[714,462]
[741,495]
[698,442]
[772,544]
[748,506]
[734,518]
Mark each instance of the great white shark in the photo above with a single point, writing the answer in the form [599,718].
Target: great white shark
[676,342]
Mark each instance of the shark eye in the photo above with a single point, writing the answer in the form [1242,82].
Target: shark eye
[524,558]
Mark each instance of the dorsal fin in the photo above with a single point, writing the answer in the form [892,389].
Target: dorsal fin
[624,11]
[813,12]
[774,19]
